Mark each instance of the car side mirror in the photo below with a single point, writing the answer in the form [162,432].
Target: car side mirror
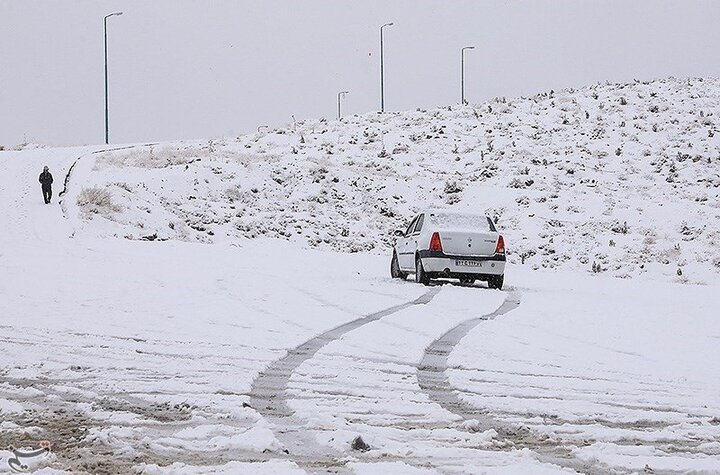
[399,233]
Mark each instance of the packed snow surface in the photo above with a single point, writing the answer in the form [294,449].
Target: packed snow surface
[184,308]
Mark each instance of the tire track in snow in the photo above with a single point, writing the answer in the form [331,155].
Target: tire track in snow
[268,394]
[434,381]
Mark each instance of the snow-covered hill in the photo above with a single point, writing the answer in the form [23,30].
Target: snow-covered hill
[256,356]
[615,178]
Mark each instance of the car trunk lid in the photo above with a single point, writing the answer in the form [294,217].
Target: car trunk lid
[468,243]
[465,234]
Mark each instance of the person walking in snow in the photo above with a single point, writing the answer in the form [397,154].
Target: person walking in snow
[46,180]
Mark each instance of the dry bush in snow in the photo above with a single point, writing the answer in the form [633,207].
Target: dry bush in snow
[233,193]
[96,200]
[150,157]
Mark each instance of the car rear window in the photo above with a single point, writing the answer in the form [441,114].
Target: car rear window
[476,222]
[419,225]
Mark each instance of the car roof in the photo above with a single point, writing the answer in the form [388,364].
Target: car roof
[451,212]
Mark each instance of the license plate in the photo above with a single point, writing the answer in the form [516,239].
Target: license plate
[465,263]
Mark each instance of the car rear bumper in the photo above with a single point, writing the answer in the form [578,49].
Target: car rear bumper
[439,264]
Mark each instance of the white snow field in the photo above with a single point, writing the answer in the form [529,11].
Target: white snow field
[225,306]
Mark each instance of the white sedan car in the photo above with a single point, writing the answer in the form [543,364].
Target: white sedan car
[442,244]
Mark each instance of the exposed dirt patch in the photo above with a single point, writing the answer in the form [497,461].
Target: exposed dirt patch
[66,430]
[161,412]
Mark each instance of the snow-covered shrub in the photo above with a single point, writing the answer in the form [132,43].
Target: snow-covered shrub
[318,174]
[619,228]
[452,187]
[96,200]
[232,193]
[520,183]
[402,148]
[688,232]
[453,199]
[124,186]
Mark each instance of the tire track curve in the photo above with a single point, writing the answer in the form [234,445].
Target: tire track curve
[268,394]
[434,382]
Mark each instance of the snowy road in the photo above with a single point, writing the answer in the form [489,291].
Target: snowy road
[272,384]
[249,357]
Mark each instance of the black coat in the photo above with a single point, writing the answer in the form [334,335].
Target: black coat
[46,179]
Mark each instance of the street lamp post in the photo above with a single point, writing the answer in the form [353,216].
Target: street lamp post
[382,68]
[340,94]
[107,136]
[462,74]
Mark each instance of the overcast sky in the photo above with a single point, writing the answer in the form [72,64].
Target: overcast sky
[195,69]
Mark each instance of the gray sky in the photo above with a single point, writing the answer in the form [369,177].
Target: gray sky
[194,69]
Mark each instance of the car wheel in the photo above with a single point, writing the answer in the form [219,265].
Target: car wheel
[395,271]
[420,276]
[496,281]
[467,281]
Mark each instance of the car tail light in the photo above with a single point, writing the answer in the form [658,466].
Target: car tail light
[500,248]
[435,242]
